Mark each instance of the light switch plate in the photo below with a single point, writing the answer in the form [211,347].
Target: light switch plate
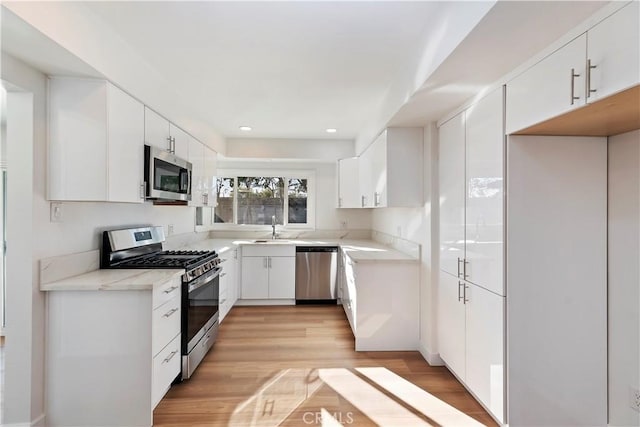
[56,212]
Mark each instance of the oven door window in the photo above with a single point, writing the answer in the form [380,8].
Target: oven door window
[170,177]
[203,304]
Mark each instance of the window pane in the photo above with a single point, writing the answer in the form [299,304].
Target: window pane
[297,201]
[223,213]
[259,199]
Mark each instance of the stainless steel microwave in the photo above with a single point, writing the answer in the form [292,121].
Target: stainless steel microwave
[167,177]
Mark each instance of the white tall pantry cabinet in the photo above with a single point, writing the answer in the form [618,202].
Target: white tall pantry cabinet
[471,293]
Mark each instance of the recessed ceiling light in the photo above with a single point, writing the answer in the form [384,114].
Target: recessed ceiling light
[332,130]
[245,128]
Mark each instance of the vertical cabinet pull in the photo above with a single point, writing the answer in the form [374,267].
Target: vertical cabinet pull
[339,202]
[376,199]
[466,300]
[573,86]
[269,262]
[464,268]
[362,201]
[460,286]
[588,90]
[143,188]
[459,261]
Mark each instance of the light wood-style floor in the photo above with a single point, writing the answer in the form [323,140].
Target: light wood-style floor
[296,366]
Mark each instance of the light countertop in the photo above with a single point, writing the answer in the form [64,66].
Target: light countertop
[114,280]
[357,250]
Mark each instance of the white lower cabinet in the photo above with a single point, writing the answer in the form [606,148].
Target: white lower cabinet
[471,339]
[111,355]
[268,272]
[383,317]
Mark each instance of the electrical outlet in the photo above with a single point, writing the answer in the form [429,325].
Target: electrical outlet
[634,399]
[169,229]
[56,211]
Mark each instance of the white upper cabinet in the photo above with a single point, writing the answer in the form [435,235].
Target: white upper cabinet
[198,180]
[348,178]
[614,52]
[156,130]
[96,134]
[160,133]
[210,164]
[598,63]
[551,87]
[472,193]
[180,141]
[365,181]
[452,194]
[390,172]
[484,203]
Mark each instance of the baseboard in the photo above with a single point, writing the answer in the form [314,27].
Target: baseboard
[266,302]
[433,359]
[38,422]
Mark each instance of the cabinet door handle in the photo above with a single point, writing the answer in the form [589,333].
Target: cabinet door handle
[173,145]
[376,199]
[362,202]
[588,90]
[171,289]
[170,312]
[223,274]
[170,145]
[573,85]
[143,188]
[464,268]
[269,262]
[459,261]
[460,285]
[339,202]
[466,300]
[170,356]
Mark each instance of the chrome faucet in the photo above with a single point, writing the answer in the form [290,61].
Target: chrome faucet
[273,227]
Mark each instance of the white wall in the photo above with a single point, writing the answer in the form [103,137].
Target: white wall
[79,231]
[328,217]
[624,276]
[420,225]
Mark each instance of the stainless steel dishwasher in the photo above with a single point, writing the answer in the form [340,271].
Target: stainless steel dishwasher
[316,274]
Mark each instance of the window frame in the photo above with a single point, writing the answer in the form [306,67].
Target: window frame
[309,175]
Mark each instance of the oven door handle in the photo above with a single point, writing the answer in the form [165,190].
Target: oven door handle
[203,281]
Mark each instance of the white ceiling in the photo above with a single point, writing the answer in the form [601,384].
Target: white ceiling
[287,69]
[291,69]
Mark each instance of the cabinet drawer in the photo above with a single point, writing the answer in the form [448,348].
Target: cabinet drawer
[269,250]
[166,366]
[165,324]
[166,291]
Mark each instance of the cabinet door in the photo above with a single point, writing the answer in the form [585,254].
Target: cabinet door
[451,323]
[544,90]
[210,170]
[484,193]
[181,141]
[232,277]
[126,147]
[348,188]
[379,171]
[282,277]
[614,50]
[156,130]
[198,181]
[485,347]
[77,140]
[255,278]
[452,193]
[364,179]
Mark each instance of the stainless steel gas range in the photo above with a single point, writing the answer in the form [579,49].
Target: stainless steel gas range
[142,248]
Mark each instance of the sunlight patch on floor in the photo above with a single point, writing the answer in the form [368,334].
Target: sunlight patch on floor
[437,410]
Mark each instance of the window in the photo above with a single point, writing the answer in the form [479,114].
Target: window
[223,212]
[252,200]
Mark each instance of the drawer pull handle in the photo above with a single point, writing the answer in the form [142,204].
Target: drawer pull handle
[223,274]
[171,289]
[170,356]
[170,312]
